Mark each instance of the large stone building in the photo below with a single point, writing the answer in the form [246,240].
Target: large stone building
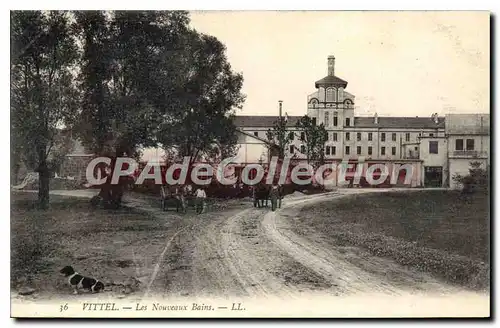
[428,143]
[436,147]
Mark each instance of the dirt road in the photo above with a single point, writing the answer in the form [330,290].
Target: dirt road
[254,253]
[347,267]
[249,252]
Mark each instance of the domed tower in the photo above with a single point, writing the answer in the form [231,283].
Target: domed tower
[331,104]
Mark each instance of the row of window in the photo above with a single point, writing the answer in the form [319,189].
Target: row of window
[291,136]
[370,136]
[469,144]
[332,150]
[330,104]
[335,119]
[459,145]
[330,96]
[433,148]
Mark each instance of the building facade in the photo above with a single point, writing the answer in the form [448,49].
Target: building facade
[428,143]
[438,148]
[468,137]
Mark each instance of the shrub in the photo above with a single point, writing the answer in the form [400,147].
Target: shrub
[476,180]
[58,184]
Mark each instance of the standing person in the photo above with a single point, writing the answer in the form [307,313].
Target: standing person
[165,194]
[200,200]
[183,195]
[188,194]
[274,195]
[281,191]
[254,196]
[179,196]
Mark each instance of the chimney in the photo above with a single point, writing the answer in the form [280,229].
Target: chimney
[331,65]
[375,118]
[436,118]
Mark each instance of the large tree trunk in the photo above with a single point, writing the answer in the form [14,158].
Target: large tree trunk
[14,177]
[112,194]
[43,186]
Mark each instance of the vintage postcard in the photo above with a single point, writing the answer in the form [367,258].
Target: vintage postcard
[250,164]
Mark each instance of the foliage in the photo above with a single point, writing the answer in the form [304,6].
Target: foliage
[93,28]
[150,80]
[476,180]
[278,136]
[315,137]
[202,126]
[144,79]
[129,76]
[43,96]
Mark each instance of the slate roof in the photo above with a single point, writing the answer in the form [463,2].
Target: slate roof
[399,122]
[262,121]
[331,80]
[361,122]
[253,136]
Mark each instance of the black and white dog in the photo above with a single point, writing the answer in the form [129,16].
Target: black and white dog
[77,281]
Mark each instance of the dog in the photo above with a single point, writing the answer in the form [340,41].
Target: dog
[78,281]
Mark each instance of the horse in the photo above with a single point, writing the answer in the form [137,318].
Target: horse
[261,195]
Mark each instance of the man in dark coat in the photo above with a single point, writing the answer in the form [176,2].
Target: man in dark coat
[254,196]
[281,192]
[274,195]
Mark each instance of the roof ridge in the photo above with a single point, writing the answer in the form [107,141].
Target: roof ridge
[406,117]
[331,79]
[266,115]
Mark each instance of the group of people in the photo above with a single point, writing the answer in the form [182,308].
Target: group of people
[180,195]
[262,193]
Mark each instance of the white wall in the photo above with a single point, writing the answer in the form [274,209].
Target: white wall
[251,149]
[481,144]
[438,159]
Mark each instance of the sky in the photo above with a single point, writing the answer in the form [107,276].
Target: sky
[395,63]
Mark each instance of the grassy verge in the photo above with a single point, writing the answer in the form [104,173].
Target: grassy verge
[440,232]
[116,247]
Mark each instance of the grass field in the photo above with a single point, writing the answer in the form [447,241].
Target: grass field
[440,232]
[118,247]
